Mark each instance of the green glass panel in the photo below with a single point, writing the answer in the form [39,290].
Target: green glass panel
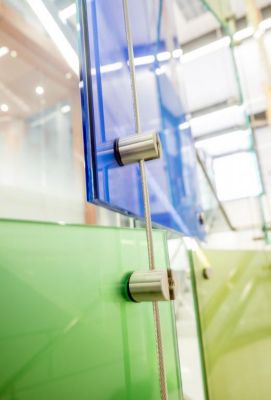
[67,330]
[235,315]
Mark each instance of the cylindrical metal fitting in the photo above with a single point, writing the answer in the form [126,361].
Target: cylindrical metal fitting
[149,286]
[137,147]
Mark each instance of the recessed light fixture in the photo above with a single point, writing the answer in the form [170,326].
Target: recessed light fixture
[3,51]
[39,90]
[13,53]
[66,109]
[4,107]
[68,75]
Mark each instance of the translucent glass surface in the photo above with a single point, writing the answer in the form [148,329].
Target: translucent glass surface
[226,143]
[222,8]
[235,320]
[172,180]
[193,383]
[215,220]
[67,329]
[237,176]
[41,150]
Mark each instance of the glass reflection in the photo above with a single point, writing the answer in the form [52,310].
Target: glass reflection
[172,180]
[41,163]
[186,321]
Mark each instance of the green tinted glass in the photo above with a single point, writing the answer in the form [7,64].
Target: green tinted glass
[67,331]
[235,314]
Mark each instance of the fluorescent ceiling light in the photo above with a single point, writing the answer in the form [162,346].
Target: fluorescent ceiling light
[4,107]
[243,34]
[67,12]
[39,90]
[207,49]
[177,53]
[224,42]
[226,142]
[111,67]
[66,109]
[3,51]
[218,120]
[184,125]
[104,69]
[144,60]
[265,24]
[249,31]
[202,116]
[217,112]
[164,56]
[56,34]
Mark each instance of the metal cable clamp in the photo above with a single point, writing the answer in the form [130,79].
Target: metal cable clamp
[146,201]
[155,285]
[138,147]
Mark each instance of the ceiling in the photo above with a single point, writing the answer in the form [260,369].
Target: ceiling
[38,63]
[193,20]
[32,62]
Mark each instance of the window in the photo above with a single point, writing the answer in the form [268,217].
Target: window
[237,176]
[226,143]
[42,160]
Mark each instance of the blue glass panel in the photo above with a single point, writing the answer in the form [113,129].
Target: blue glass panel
[108,112]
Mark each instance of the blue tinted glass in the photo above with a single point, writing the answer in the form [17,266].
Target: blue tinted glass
[107,95]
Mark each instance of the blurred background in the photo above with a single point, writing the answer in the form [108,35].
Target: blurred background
[225,70]
[226,77]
